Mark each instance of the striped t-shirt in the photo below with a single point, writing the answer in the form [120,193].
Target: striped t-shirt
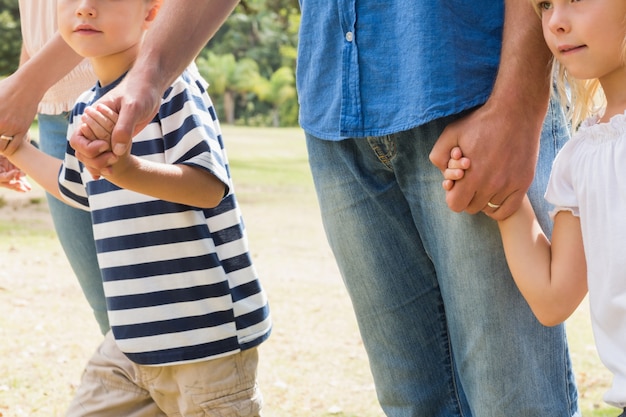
[179,281]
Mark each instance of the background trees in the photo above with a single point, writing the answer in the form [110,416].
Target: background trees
[249,64]
[10,36]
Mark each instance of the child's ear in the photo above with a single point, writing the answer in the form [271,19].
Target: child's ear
[154,10]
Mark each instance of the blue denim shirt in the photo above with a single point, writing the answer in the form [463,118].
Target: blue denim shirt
[374,67]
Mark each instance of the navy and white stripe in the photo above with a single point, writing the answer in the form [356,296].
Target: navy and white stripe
[179,280]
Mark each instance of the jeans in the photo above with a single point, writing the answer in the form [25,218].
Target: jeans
[446,331]
[73,226]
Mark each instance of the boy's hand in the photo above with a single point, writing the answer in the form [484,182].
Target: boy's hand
[98,123]
[92,141]
[457,165]
[12,178]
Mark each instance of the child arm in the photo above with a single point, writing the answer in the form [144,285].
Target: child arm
[552,277]
[42,168]
[178,183]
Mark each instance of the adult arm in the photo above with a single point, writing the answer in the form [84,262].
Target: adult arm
[21,92]
[182,28]
[502,136]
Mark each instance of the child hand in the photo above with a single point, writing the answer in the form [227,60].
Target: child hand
[457,165]
[92,141]
[12,178]
[98,123]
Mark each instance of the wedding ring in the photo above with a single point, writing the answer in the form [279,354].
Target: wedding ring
[493,206]
[6,137]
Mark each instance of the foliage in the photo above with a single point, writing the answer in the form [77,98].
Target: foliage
[254,54]
[10,36]
[280,92]
[249,63]
[228,77]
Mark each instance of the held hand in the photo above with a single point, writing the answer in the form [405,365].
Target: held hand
[98,122]
[457,165]
[136,101]
[503,160]
[18,107]
[92,141]
[12,178]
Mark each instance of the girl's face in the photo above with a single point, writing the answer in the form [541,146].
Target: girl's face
[103,28]
[586,36]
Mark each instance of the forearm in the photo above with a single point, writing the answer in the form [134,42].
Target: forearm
[42,168]
[524,75]
[55,60]
[528,255]
[551,277]
[184,28]
[178,183]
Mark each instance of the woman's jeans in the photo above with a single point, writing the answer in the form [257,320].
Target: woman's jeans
[73,226]
[446,331]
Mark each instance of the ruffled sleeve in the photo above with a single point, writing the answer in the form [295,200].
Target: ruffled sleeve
[560,192]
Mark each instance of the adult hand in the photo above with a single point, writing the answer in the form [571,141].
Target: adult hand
[18,107]
[503,147]
[136,101]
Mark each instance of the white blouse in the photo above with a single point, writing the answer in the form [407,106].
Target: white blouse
[589,179]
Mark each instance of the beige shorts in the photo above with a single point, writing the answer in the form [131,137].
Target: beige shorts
[113,386]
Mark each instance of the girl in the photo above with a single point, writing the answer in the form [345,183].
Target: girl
[587,185]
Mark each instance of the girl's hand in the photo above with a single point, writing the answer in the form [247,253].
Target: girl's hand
[457,165]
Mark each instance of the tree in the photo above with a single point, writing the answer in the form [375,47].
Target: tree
[279,90]
[10,36]
[265,32]
[227,78]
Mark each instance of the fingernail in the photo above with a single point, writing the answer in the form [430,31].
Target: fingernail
[119,149]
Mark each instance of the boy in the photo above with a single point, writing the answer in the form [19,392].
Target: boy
[186,308]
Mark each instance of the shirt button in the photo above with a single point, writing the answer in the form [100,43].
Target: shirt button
[349,36]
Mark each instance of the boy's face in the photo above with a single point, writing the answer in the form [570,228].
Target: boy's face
[100,28]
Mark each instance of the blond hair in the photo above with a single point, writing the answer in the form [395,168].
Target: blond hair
[580,98]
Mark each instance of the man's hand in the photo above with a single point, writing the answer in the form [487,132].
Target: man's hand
[503,160]
[502,137]
[136,101]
